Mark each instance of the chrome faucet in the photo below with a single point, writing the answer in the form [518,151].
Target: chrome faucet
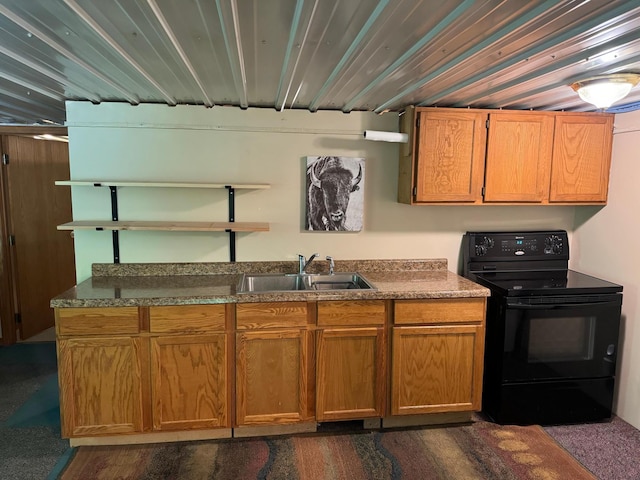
[303,263]
[332,266]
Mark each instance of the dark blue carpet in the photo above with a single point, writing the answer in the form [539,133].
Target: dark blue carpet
[30,444]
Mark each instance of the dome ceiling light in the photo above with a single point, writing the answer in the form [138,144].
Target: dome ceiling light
[604,90]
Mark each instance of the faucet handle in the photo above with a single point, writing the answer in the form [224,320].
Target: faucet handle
[332,265]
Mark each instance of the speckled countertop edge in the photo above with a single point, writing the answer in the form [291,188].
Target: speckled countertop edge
[216,283]
[217,268]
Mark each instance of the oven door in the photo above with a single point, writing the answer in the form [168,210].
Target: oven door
[560,337]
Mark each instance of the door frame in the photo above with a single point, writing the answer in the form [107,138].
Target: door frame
[8,275]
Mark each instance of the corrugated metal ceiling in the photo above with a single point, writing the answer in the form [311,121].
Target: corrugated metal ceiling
[374,55]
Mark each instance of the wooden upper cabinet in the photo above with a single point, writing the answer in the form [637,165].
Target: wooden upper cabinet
[450,148]
[518,163]
[456,156]
[581,158]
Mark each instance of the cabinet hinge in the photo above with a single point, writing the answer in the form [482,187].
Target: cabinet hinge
[415,191]
[486,124]
[482,192]
[12,240]
[417,122]
[18,318]
[5,159]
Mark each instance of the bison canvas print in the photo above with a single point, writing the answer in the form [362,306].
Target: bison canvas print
[335,194]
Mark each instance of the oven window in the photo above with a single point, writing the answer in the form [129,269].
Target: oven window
[558,339]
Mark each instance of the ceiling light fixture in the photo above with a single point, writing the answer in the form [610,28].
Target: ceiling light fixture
[604,90]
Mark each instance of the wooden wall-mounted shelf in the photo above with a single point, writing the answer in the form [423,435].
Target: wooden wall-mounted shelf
[117,183]
[115,225]
[167,226]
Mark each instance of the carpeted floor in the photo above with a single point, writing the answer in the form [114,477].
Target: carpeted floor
[478,451]
[31,447]
[30,443]
[611,450]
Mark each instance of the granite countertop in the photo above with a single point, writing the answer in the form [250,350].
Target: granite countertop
[208,283]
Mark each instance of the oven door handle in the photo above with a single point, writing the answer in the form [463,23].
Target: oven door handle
[552,306]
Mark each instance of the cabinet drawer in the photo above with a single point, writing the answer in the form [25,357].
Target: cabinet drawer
[186,318]
[97,321]
[350,313]
[439,310]
[271,315]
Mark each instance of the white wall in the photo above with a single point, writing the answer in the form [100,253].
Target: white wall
[605,244]
[224,144]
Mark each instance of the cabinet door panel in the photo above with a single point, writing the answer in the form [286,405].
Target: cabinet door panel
[518,162]
[350,378]
[450,156]
[436,369]
[97,321]
[186,318]
[189,382]
[272,377]
[271,315]
[581,158]
[439,310]
[102,385]
[352,312]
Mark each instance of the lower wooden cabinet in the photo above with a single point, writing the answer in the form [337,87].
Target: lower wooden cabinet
[103,385]
[189,382]
[133,370]
[350,373]
[351,359]
[438,355]
[124,371]
[189,367]
[435,369]
[274,364]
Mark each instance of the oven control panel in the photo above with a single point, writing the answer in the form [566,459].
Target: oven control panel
[513,245]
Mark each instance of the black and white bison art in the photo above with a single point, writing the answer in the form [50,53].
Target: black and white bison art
[330,185]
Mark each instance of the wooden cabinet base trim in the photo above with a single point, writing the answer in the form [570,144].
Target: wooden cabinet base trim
[426,419]
[160,437]
[259,431]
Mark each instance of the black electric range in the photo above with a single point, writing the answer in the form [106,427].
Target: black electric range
[546,282]
[551,332]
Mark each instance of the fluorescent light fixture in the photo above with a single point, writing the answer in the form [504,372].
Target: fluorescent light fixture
[55,138]
[605,90]
[386,136]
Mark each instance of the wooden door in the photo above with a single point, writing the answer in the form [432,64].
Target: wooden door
[581,158]
[102,382]
[436,369]
[189,382]
[350,373]
[272,372]
[518,162]
[450,156]
[42,257]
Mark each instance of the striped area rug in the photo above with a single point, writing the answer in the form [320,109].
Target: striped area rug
[480,451]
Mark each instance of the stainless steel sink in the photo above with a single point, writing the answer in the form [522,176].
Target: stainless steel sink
[285,282]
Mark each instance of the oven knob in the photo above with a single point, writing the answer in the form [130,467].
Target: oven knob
[553,245]
[481,250]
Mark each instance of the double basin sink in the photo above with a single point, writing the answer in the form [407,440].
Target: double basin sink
[295,282]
